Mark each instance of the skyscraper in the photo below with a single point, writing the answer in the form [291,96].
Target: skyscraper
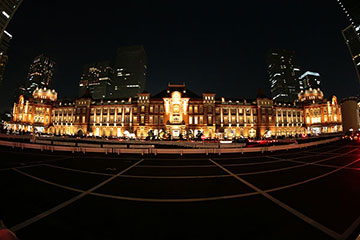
[40,74]
[97,78]
[7,11]
[352,33]
[310,80]
[123,77]
[130,72]
[283,75]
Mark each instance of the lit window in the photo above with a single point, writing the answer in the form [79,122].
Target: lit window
[196,110]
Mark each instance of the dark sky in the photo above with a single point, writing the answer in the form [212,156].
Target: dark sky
[210,45]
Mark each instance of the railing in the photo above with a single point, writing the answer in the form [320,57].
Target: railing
[149,149]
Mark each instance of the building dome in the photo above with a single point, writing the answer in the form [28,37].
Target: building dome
[45,94]
[311,95]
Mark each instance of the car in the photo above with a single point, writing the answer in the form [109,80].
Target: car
[348,135]
[352,135]
[356,135]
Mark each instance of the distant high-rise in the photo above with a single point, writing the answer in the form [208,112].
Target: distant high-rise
[310,80]
[40,74]
[97,78]
[123,77]
[283,75]
[352,33]
[130,72]
[7,11]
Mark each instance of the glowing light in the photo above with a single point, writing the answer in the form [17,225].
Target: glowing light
[6,14]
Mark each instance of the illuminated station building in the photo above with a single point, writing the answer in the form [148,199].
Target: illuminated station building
[34,114]
[321,115]
[178,112]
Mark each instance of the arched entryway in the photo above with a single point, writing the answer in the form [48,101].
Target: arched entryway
[80,133]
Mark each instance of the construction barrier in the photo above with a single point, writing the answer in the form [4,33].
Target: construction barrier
[61,143]
[141,146]
[114,146]
[89,145]
[150,149]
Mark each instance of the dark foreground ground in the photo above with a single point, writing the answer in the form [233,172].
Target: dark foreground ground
[311,193]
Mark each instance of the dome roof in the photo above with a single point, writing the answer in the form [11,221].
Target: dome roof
[45,94]
[311,95]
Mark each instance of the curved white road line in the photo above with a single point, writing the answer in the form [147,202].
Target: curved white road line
[78,170]
[233,164]
[323,165]
[314,178]
[134,176]
[48,182]
[68,202]
[237,164]
[211,166]
[176,177]
[174,200]
[36,163]
[302,164]
[137,198]
[295,212]
[309,151]
[90,191]
[190,199]
[149,166]
[292,167]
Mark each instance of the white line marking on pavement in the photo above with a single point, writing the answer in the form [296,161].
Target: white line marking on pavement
[78,170]
[237,164]
[319,164]
[292,167]
[64,204]
[351,229]
[299,157]
[212,166]
[283,205]
[333,153]
[38,163]
[224,197]
[132,176]
[172,200]
[176,166]
[205,176]
[176,177]
[47,182]
[137,198]
[312,179]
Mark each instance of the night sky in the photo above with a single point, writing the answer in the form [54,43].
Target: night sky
[209,45]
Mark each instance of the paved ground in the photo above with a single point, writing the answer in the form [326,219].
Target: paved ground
[311,193]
